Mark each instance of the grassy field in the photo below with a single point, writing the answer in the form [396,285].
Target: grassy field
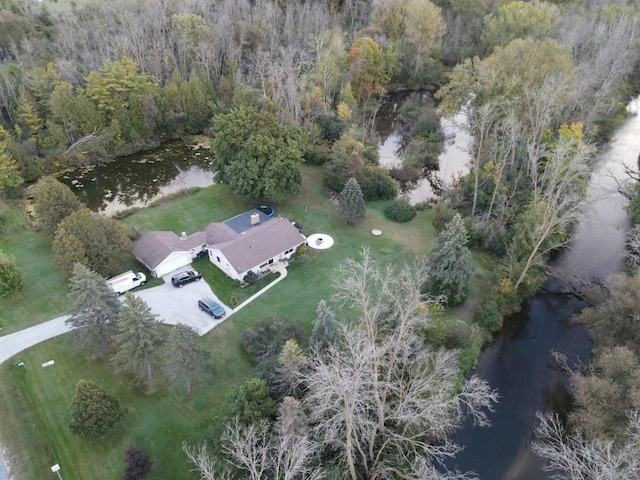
[44,295]
[36,400]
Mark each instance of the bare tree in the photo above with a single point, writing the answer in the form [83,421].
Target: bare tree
[576,458]
[382,399]
[557,201]
[204,462]
[287,454]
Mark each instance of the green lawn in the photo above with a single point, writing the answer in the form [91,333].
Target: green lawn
[36,400]
[44,295]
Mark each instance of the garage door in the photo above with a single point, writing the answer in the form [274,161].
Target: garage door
[175,261]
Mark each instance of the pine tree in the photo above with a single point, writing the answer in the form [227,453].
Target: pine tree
[450,262]
[184,358]
[351,206]
[139,335]
[93,411]
[93,312]
[326,329]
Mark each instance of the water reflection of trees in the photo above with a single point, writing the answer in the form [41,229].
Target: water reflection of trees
[136,179]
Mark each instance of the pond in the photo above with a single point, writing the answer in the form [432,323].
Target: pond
[137,180]
[453,161]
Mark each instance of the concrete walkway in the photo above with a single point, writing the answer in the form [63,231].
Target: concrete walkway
[282,270]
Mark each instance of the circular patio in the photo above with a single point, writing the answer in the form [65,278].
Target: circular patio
[320,241]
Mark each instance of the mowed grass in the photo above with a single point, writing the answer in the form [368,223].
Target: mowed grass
[36,401]
[44,294]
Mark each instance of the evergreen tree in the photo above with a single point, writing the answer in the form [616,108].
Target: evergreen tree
[351,205]
[139,335]
[250,402]
[450,262]
[326,329]
[10,276]
[94,311]
[184,358]
[291,360]
[93,411]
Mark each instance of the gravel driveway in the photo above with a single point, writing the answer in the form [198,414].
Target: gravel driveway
[180,305]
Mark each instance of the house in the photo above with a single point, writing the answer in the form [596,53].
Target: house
[251,241]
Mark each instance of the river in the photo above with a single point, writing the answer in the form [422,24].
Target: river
[518,362]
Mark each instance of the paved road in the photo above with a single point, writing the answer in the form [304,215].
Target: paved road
[16,342]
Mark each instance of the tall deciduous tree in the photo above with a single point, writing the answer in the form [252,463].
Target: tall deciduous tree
[93,314]
[93,411]
[518,20]
[138,338]
[614,320]
[11,280]
[351,205]
[90,238]
[450,262]
[184,358]
[571,456]
[382,399]
[256,155]
[9,174]
[368,68]
[53,202]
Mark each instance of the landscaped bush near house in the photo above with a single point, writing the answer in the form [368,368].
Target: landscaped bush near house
[250,278]
[400,210]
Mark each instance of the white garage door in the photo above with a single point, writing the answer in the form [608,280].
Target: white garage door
[175,261]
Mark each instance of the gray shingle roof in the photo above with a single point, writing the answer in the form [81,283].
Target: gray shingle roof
[261,243]
[153,247]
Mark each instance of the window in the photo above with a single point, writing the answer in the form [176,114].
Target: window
[270,261]
[218,258]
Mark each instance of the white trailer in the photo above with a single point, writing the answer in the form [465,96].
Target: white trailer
[126,281]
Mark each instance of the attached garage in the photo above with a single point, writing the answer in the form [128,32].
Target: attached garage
[163,252]
[173,262]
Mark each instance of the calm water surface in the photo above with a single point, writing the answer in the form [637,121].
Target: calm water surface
[138,180]
[519,362]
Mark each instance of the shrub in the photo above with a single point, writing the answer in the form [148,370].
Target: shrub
[138,463]
[301,250]
[400,210]
[376,183]
[251,277]
[488,316]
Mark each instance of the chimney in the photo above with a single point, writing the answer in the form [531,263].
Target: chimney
[183,236]
[255,219]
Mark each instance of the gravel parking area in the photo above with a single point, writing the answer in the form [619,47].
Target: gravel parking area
[180,305]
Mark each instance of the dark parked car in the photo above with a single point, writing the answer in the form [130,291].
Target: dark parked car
[212,308]
[183,278]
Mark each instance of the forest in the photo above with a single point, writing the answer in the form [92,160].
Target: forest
[284,82]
